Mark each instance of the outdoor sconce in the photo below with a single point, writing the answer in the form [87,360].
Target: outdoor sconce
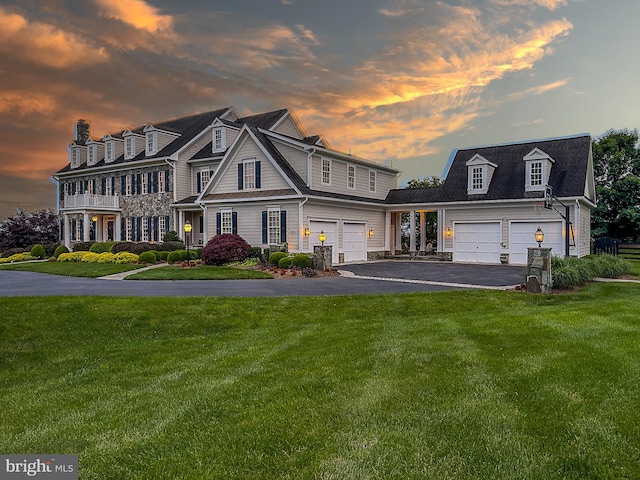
[448,233]
[94,219]
[322,237]
[539,237]
[307,232]
[370,232]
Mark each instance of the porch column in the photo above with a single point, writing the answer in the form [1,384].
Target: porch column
[423,231]
[67,231]
[387,231]
[412,233]
[117,234]
[398,245]
[86,226]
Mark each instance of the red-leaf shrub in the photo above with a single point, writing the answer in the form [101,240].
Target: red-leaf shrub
[225,248]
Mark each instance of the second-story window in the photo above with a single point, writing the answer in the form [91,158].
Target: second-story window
[110,152]
[326,171]
[108,187]
[91,154]
[90,186]
[151,143]
[535,178]
[477,178]
[351,177]
[128,185]
[144,183]
[130,147]
[162,182]
[204,179]
[219,143]
[249,167]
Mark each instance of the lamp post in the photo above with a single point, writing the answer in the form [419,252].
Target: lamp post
[322,237]
[539,237]
[94,219]
[187,233]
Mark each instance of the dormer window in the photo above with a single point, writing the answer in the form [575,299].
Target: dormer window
[92,153]
[110,154]
[479,174]
[129,148]
[151,143]
[75,155]
[538,169]
[219,140]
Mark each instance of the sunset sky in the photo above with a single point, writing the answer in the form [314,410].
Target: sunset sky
[396,81]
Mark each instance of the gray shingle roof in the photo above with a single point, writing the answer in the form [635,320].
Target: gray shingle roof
[568,174]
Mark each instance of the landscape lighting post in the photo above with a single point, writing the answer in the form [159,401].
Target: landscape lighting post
[187,233]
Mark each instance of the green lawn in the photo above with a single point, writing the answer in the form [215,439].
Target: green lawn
[201,272]
[72,269]
[449,385]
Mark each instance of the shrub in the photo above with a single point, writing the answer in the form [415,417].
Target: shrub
[171,236]
[38,251]
[162,255]
[225,248]
[106,257]
[18,257]
[171,246]
[60,250]
[301,260]
[71,257]
[82,246]
[275,258]
[285,262]
[255,252]
[572,271]
[132,247]
[101,247]
[174,257]
[147,257]
[122,247]
[50,248]
[125,257]
[11,251]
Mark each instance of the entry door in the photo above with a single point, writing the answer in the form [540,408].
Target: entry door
[476,242]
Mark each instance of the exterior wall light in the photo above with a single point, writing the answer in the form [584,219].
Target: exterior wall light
[539,237]
[322,237]
[370,232]
[94,219]
[307,232]
[448,232]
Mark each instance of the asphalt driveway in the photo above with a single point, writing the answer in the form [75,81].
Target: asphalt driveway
[366,278]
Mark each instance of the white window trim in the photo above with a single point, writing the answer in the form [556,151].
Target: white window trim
[373,181]
[144,237]
[129,229]
[226,221]
[92,152]
[153,136]
[162,227]
[245,185]
[205,176]
[108,185]
[144,183]
[162,182]
[275,229]
[350,168]
[128,184]
[223,140]
[110,151]
[323,162]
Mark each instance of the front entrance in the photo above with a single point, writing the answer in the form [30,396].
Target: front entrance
[110,230]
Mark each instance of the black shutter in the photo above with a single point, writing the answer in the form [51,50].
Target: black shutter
[265,238]
[139,229]
[104,186]
[240,174]
[123,230]
[113,185]
[234,223]
[258,175]
[198,178]
[73,229]
[81,230]
[122,187]
[139,183]
[218,223]
[155,182]
[149,229]
[283,226]
[156,234]
[167,185]
[201,230]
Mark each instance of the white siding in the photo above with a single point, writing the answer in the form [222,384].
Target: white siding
[288,127]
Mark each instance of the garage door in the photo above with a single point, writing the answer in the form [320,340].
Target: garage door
[522,237]
[354,243]
[476,242]
[330,229]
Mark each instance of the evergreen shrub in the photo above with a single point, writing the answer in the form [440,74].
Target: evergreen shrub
[147,257]
[38,251]
[301,260]
[173,257]
[275,258]
[285,262]
[60,250]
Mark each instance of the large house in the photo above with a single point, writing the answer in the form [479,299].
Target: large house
[264,178]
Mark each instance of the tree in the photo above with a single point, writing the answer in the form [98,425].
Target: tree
[423,182]
[431,218]
[616,165]
[26,229]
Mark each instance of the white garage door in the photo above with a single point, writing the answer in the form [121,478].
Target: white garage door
[522,237]
[330,229]
[476,242]
[354,243]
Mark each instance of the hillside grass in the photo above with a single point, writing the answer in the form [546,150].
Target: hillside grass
[448,385]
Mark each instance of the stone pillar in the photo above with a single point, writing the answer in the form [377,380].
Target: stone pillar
[322,257]
[539,278]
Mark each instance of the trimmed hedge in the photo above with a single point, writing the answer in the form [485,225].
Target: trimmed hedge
[171,246]
[285,262]
[275,257]
[38,251]
[301,260]
[82,246]
[147,257]
[11,251]
[101,247]
[60,250]
[174,257]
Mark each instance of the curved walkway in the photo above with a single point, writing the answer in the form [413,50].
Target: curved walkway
[356,279]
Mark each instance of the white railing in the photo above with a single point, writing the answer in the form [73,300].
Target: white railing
[82,200]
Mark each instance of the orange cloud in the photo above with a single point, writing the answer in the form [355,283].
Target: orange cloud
[45,44]
[136,13]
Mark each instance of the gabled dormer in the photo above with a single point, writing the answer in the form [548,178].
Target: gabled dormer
[77,154]
[157,138]
[537,171]
[479,174]
[95,151]
[113,147]
[218,137]
[134,143]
